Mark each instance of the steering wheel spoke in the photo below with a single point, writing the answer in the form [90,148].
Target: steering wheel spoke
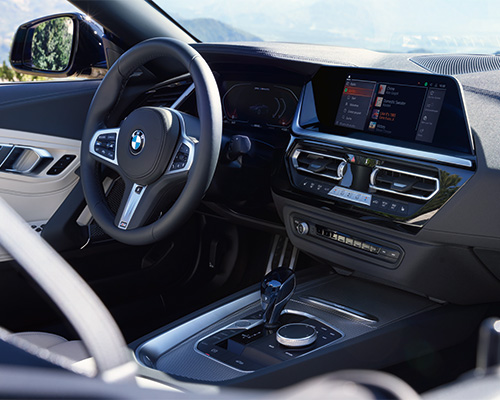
[103,146]
[129,205]
[141,203]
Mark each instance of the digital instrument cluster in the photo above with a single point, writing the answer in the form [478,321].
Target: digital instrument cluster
[259,105]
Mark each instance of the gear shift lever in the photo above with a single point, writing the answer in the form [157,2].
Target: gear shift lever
[275,290]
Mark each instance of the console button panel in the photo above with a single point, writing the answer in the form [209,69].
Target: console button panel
[384,252]
[256,347]
[374,202]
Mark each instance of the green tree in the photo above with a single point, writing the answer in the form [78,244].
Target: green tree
[51,45]
[6,73]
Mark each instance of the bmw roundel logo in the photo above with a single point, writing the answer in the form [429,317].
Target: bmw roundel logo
[137,142]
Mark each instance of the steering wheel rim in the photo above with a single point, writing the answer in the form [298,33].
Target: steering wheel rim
[205,156]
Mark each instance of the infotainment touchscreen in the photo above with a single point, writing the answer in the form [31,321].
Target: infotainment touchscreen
[407,112]
[417,110]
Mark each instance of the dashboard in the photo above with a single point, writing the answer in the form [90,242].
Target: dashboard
[379,169]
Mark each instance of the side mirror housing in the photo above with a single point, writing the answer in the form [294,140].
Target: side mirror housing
[59,46]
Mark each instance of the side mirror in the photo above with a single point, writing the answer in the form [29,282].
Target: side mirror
[59,46]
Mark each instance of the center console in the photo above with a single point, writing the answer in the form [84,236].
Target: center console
[330,322]
[270,336]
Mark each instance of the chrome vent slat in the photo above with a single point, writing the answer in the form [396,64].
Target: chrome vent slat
[412,185]
[327,166]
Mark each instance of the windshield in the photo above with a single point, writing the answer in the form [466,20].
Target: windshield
[432,26]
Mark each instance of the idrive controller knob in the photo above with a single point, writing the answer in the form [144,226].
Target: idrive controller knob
[296,335]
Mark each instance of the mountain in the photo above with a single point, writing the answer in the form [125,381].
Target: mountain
[16,12]
[211,30]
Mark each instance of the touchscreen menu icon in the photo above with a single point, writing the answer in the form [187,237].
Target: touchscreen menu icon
[355,103]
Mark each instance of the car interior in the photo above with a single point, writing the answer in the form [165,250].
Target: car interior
[253,215]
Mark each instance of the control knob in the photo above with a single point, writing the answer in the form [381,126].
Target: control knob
[302,228]
[296,335]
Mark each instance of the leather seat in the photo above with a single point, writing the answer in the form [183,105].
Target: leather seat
[74,350]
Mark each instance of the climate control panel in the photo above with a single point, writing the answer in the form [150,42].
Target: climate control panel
[360,182]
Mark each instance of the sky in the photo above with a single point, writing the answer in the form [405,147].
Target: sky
[386,25]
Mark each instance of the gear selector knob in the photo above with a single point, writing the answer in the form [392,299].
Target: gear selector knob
[276,289]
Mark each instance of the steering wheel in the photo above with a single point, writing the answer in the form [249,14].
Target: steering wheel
[157,151]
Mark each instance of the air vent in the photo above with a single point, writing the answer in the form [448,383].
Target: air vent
[167,95]
[404,183]
[319,164]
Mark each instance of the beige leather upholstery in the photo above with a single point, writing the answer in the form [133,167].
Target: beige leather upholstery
[71,349]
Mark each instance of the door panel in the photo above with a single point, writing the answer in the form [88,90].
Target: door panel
[50,108]
[37,195]
[49,117]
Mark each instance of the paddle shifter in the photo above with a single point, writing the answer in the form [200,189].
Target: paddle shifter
[276,289]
